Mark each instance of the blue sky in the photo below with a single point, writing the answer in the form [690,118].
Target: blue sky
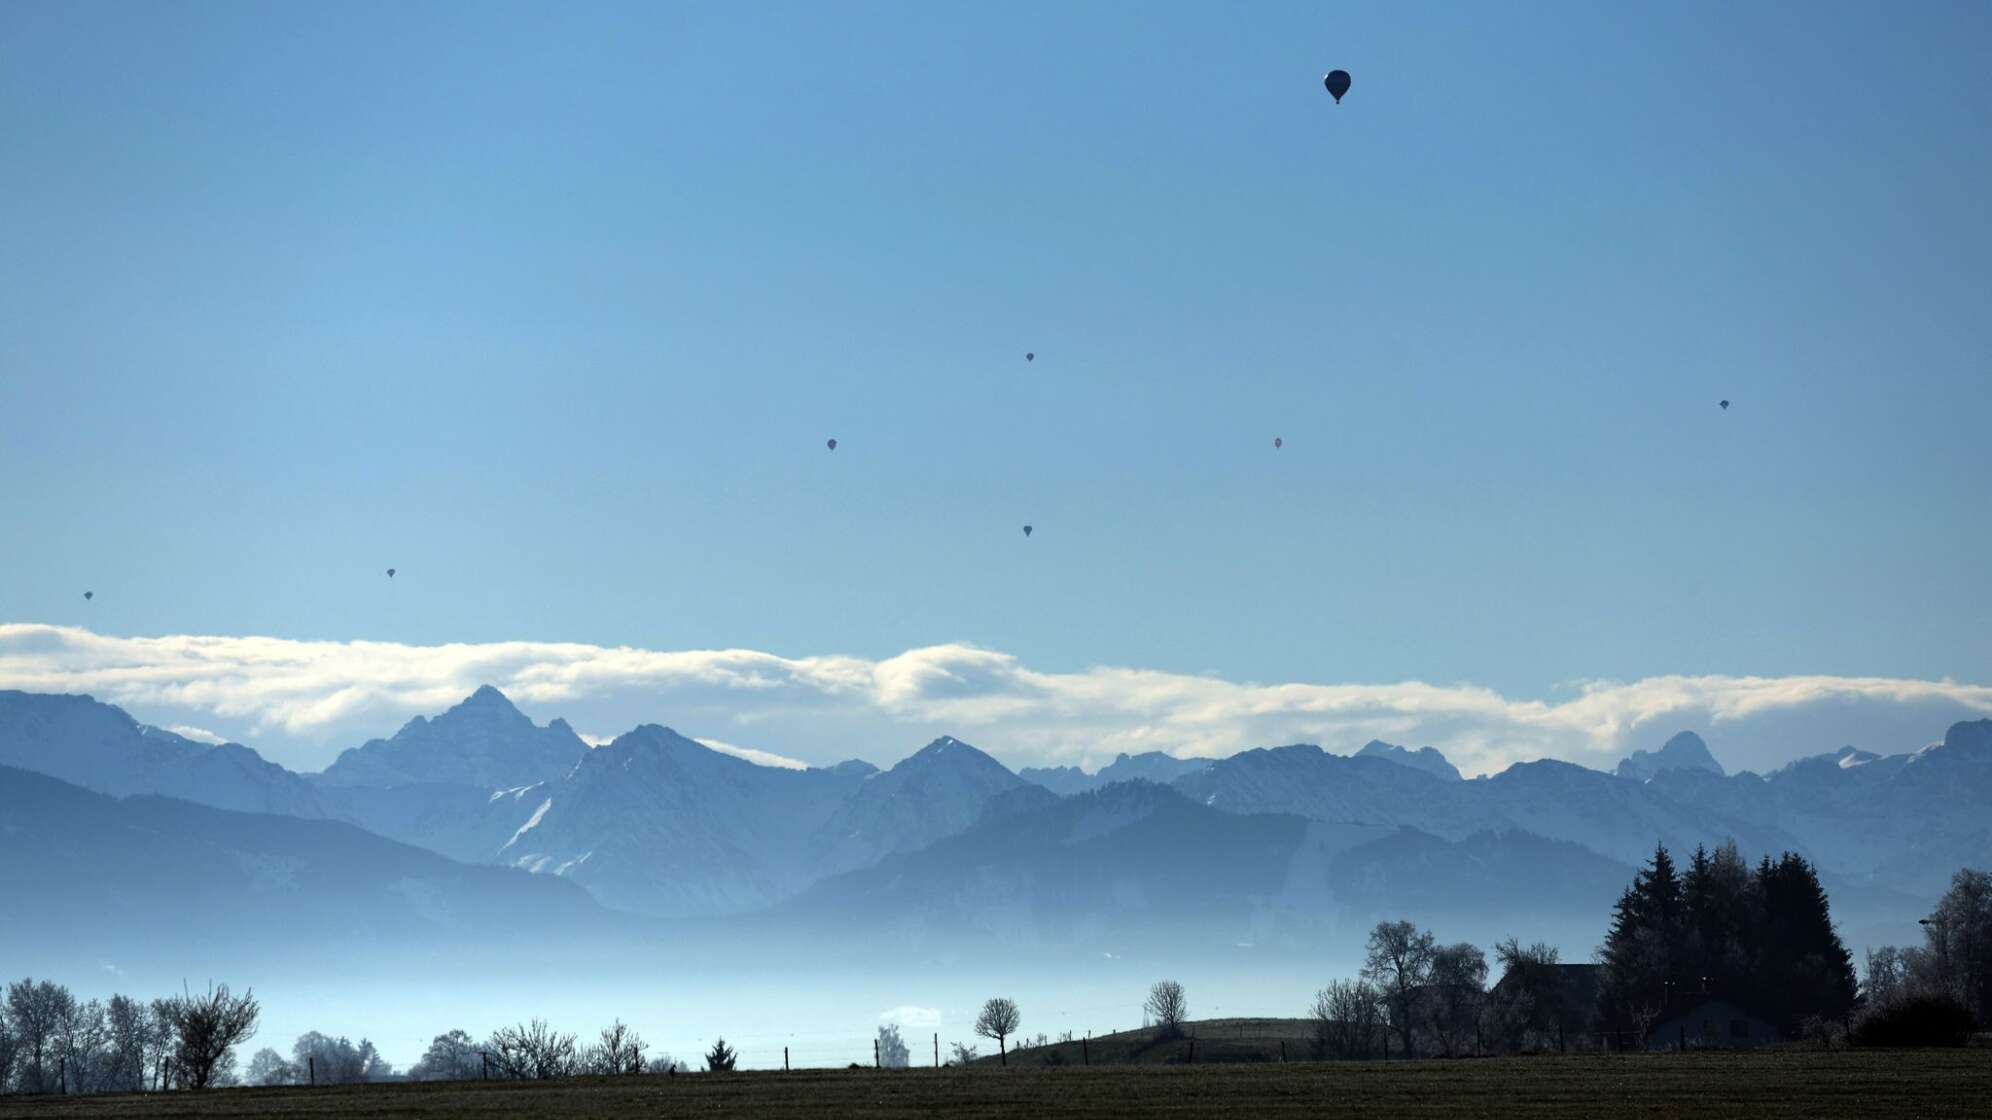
[553,309]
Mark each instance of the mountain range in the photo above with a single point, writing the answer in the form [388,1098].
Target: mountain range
[1272,846]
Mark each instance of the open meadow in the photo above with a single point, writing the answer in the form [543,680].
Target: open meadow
[1761,1085]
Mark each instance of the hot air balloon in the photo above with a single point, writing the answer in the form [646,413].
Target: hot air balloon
[1027,530]
[1725,406]
[88,595]
[1030,357]
[832,445]
[1337,82]
[1278,443]
[390,573]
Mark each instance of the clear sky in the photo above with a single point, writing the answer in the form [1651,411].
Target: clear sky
[552,308]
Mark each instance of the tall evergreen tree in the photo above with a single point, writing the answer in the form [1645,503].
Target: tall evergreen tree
[1764,940]
[1641,952]
[1803,969]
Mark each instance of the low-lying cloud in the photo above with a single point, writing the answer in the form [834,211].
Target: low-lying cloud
[301,701]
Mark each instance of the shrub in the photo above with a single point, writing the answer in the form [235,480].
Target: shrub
[1919,1020]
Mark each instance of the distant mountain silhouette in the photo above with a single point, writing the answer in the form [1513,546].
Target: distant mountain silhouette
[483,742]
[1427,759]
[171,881]
[1151,766]
[658,824]
[1685,751]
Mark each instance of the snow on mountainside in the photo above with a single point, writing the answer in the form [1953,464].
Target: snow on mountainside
[1685,751]
[1427,759]
[99,747]
[168,881]
[483,742]
[656,823]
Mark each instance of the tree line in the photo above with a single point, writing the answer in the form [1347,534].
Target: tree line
[1760,938]
[50,1042]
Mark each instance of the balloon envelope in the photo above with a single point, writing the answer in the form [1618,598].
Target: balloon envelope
[390,573]
[89,594]
[833,445]
[1278,442]
[1030,357]
[1027,530]
[1725,406]
[1337,82]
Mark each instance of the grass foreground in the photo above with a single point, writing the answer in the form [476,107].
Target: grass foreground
[1759,1085]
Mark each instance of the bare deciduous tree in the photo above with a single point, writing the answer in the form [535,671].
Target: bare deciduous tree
[1458,986]
[267,1067]
[9,1050]
[892,1050]
[532,1051]
[962,1055]
[38,1012]
[1166,1008]
[132,1042]
[1399,963]
[999,1020]
[85,1049]
[206,1029]
[451,1056]
[1348,1020]
[618,1051]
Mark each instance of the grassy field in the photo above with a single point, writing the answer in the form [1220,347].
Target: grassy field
[1761,1086]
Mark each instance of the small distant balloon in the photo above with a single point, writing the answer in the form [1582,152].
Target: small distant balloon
[1027,530]
[1337,82]
[1725,406]
[88,595]
[832,445]
[1030,357]
[390,573]
[1278,443]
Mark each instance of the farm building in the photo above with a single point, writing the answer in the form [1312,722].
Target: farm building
[1707,1023]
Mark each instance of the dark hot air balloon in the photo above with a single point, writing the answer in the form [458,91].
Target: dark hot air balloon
[390,573]
[1337,82]
[88,595]
[1030,357]
[1725,406]
[1027,530]
[1278,442]
[832,445]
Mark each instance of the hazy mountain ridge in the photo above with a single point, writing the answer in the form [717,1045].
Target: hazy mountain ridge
[657,823]
[167,879]
[1149,766]
[1685,751]
[482,742]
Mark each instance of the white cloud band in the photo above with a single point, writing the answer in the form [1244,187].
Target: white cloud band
[300,701]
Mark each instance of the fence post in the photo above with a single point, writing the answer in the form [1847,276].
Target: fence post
[1193,1050]
[1282,1051]
[1085,1049]
[785,1059]
[875,1064]
[937,1049]
[311,1069]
